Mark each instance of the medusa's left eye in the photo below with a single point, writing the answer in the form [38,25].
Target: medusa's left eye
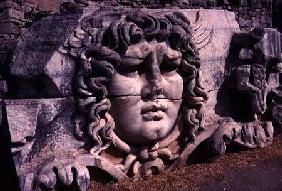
[138,51]
[171,61]
[167,68]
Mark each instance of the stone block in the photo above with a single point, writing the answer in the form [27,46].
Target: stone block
[32,1]
[13,20]
[131,100]
[272,46]
[36,54]
[33,123]
[12,13]
[22,119]
[5,44]
[6,38]
[9,4]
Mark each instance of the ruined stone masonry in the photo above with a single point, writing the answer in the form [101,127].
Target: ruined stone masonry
[132,88]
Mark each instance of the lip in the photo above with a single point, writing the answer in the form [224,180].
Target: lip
[153,116]
[153,111]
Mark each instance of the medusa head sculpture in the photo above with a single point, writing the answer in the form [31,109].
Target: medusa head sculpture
[138,93]
[139,88]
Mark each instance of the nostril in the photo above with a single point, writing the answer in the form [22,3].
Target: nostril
[157,88]
[158,91]
[146,93]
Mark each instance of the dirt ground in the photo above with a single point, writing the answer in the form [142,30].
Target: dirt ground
[254,170]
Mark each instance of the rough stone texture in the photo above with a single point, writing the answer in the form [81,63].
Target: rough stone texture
[12,23]
[277,23]
[11,19]
[248,13]
[73,89]
[46,5]
[49,119]
[37,57]
[134,92]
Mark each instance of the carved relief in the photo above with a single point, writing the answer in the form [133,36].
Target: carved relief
[137,104]
[138,82]
[276,102]
[254,74]
[251,73]
[139,101]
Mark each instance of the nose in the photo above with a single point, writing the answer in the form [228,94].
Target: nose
[153,86]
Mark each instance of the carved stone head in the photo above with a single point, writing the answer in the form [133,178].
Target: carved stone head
[128,82]
[138,84]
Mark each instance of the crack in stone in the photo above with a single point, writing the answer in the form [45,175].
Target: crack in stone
[137,95]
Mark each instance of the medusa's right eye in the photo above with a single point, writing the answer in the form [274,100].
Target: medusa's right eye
[138,51]
[131,63]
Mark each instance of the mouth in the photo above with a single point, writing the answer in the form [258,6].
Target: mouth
[153,116]
[153,111]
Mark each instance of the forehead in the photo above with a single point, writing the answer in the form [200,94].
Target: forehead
[145,47]
[136,53]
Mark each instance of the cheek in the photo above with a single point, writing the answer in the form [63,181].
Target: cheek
[123,85]
[125,112]
[173,109]
[173,86]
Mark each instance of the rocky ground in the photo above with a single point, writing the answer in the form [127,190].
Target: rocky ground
[254,170]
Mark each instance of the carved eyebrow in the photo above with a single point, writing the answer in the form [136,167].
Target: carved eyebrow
[130,61]
[136,55]
[138,51]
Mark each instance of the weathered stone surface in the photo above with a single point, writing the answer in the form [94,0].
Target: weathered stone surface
[9,4]
[29,6]
[9,28]
[245,135]
[36,55]
[12,13]
[22,121]
[135,92]
[40,128]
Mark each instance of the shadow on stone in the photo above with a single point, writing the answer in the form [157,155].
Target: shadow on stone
[100,176]
[8,176]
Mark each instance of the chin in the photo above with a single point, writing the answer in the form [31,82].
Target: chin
[155,130]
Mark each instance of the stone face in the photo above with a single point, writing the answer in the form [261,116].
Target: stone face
[133,92]
[142,67]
